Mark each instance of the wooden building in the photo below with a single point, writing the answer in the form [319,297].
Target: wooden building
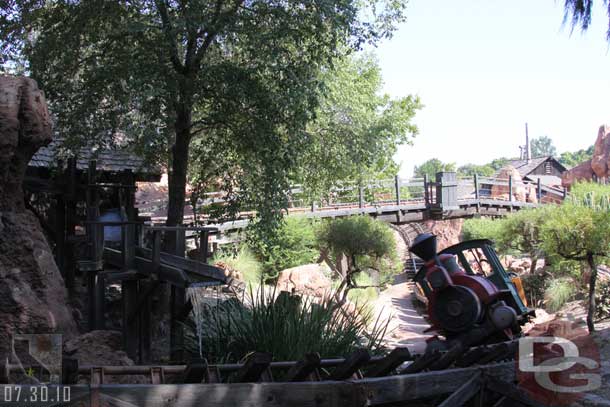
[546,168]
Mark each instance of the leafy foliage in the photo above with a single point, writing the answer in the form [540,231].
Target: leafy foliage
[366,244]
[431,167]
[469,170]
[241,76]
[286,326]
[602,300]
[558,293]
[357,128]
[542,146]
[572,159]
[244,261]
[294,244]
[482,228]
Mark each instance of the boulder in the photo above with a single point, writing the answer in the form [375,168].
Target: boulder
[501,191]
[309,279]
[32,293]
[102,348]
[447,232]
[598,166]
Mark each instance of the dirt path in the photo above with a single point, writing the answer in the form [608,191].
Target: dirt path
[407,325]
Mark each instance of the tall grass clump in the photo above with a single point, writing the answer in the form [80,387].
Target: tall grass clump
[558,293]
[244,261]
[284,325]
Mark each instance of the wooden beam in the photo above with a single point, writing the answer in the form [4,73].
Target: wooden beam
[303,369]
[194,268]
[254,367]
[389,363]
[464,393]
[350,366]
[511,391]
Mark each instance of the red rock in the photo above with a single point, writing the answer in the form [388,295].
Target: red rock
[308,280]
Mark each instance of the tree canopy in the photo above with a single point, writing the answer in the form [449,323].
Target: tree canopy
[578,12]
[242,78]
[431,167]
[542,146]
[571,159]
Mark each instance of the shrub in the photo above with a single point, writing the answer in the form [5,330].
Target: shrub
[367,244]
[602,300]
[534,286]
[294,244]
[481,228]
[244,261]
[558,293]
[286,326]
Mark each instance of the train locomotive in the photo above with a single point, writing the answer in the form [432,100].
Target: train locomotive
[471,299]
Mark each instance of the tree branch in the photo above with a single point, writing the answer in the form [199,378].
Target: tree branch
[169,36]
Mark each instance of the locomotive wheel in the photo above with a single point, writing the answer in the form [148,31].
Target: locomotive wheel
[457,308]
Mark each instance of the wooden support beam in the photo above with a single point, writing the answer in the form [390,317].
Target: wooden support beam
[195,372]
[360,196]
[421,363]
[131,332]
[177,302]
[390,363]
[511,391]
[156,375]
[304,368]
[510,188]
[351,365]
[464,393]
[448,358]
[254,367]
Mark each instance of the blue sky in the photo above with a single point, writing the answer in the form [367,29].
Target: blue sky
[485,67]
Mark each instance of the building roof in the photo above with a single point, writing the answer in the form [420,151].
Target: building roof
[107,160]
[545,179]
[524,167]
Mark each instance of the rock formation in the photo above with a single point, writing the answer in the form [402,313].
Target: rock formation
[309,279]
[32,293]
[598,166]
[501,191]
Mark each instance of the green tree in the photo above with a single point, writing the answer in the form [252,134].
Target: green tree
[164,73]
[431,167]
[579,14]
[365,243]
[572,159]
[357,128]
[581,233]
[542,146]
[522,231]
[468,170]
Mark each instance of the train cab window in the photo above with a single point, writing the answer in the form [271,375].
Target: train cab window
[478,262]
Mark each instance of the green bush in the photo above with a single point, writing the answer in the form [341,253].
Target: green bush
[481,228]
[534,286]
[243,261]
[602,300]
[294,244]
[558,293]
[286,326]
[364,295]
[367,242]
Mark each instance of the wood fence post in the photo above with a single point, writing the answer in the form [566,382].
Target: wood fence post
[510,188]
[360,196]
[397,187]
[476,186]
[177,302]
[538,191]
[426,191]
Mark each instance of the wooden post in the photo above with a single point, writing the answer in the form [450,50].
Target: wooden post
[446,190]
[131,331]
[313,206]
[538,191]
[177,302]
[476,186]
[397,187]
[360,196]
[565,192]
[70,260]
[204,246]
[510,188]
[426,191]
[60,234]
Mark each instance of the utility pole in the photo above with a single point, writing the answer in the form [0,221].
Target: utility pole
[528,156]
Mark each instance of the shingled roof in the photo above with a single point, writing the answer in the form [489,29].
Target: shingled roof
[107,160]
[524,167]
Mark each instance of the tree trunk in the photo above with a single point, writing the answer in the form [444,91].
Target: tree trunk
[592,281]
[533,266]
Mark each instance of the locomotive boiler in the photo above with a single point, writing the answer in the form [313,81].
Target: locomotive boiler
[471,299]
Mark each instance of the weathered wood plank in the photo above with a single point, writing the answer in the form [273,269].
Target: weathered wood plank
[303,368]
[464,393]
[254,367]
[350,366]
[389,363]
